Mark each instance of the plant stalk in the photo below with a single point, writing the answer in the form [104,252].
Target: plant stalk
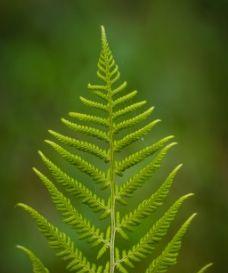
[112,187]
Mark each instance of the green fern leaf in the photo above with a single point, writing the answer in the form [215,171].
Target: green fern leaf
[62,244]
[75,187]
[70,215]
[129,109]
[82,164]
[149,241]
[136,135]
[101,95]
[149,205]
[96,87]
[125,98]
[132,121]
[119,111]
[90,118]
[169,256]
[84,146]
[139,156]
[87,130]
[120,88]
[137,180]
[94,104]
[37,265]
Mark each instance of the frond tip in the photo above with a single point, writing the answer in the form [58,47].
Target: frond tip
[205,268]
[37,265]
[103,36]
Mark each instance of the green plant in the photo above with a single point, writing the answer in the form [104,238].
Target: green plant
[114,120]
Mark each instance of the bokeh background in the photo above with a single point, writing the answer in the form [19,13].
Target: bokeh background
[173,52]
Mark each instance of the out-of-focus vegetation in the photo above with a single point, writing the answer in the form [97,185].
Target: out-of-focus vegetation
[173,52]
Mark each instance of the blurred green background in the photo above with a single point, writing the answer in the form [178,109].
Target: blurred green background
[173,52]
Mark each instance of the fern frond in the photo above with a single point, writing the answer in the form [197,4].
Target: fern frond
[106,126]
[82,164]
[62,244]
[97,87]
[115,70]
[90,118]
[87,130]
[37,265]
[128,109]
[115,78]
[107,267]
[125,98]
[169,256]
[136,135]
[101,95]
[70,215]
[102,72]
[137,180]
[120,88]
[149,241]
[101,65]
[94,104]
[149,205]
[205,268]
[75,187]
[107,68]
[101,76]
[132,121]
[139,156]
[119,266]
[84,146]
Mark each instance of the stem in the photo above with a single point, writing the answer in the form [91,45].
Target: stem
[111,171]
[112,201]
[112,189]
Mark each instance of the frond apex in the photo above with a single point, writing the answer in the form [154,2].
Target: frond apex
[49,142]
[21,205]
[19,247]
[172,144]
[103,33]
[178,167]
[42,156]
[51,131]
[37,265]
[204,269]
[188,195]
[35,170]
[189,220]
[40,153]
